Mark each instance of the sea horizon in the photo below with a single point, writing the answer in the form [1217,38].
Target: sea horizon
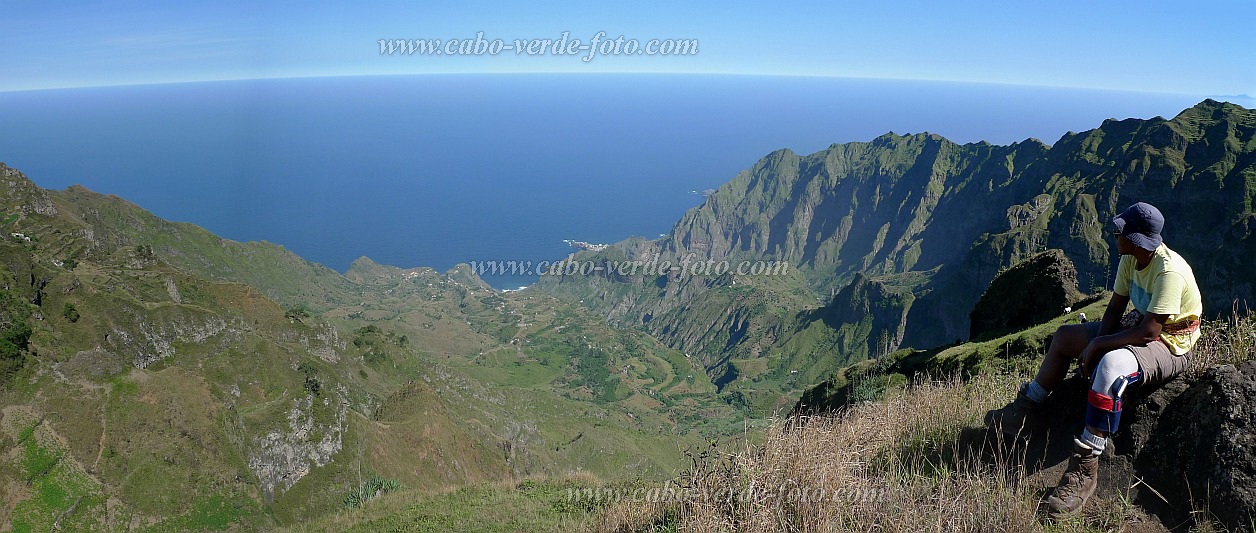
[436,170]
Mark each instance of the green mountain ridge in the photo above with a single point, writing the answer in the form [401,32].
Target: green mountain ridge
[931,222]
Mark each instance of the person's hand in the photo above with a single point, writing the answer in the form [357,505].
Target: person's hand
[1087,359]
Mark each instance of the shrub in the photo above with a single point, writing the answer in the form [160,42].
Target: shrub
[297,312]
[69,312]
[373,487]
[13,342]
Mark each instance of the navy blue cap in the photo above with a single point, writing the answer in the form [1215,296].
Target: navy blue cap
[1141,223]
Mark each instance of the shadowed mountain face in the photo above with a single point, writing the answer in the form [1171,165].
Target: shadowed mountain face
[932,222]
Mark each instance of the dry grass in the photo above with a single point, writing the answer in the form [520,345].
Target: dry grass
[894,465]
[538,503]
[1228,341]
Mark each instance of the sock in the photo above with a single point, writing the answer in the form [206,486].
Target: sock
[1094,442]
[1035,392]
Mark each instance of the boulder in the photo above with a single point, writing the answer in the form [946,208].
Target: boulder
[1029,293]
[1194,441]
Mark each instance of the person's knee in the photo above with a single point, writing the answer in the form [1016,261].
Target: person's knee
[1115,371]
[1114,364]
[1078,333]
[1070,339]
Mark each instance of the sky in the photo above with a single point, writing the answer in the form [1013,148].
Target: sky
[1200,48]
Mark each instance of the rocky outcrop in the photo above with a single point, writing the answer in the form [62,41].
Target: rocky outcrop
[1194,440]
[282,457]
[30,199]
[1029,293]
[150,335]
[329,345]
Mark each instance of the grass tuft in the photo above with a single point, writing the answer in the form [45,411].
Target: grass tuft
[1226,341]
[371,488]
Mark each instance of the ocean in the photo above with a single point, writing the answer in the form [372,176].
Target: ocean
[434,170]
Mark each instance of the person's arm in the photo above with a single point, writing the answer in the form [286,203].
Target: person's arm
[1112,315]
[1141,334]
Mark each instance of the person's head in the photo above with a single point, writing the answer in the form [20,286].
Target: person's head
[1139,226]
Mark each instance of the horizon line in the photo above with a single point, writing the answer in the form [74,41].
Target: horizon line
[641,73]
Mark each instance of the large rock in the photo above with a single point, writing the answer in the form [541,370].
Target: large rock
[1194,440]
[1030,293]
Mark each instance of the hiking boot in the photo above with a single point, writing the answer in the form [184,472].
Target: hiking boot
[1078,483]
[1012,419]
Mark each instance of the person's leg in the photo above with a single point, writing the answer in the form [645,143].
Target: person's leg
[1066,345]
[1158,363]
[1116,370]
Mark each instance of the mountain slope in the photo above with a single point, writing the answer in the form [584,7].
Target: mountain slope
[151,377]
[934,222]
[149,394]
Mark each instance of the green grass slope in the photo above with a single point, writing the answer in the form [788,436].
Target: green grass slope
[156,377]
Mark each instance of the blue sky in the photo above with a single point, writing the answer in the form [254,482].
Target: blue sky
[1203,48]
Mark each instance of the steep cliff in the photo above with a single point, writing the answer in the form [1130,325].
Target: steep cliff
[937,221]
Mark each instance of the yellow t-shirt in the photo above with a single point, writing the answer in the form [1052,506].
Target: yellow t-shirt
[1166,286]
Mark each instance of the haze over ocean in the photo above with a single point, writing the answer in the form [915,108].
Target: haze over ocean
[433,170]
